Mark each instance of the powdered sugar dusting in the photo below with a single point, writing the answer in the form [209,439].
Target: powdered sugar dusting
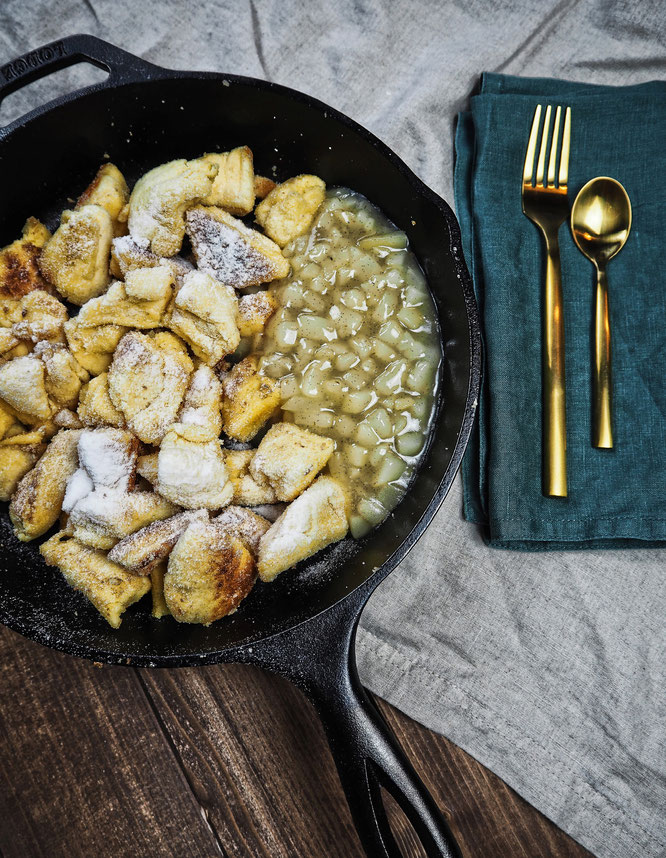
[225,252]
[78,486]
[109,457]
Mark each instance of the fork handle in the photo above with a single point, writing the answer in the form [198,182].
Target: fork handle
[554,400]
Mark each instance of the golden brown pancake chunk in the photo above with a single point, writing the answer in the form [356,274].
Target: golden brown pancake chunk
[204,314]
[8,344]
[290,458]
[203,399]
[230,251]
[109,587]
[254,311]
[160,198]
[140,552]
[157,591]
[148,378]
[95,406]
[128,255]
[208,576]
[233,187]
[191,470]
[42,317]
[64,375]
[250,399]
[262,186]
[146,466]
[109,190]
[139,302]
[76,259]
[244,524]
[15,462]
[37,502]
[19,265]
[314,520]
[247,490]
[93,347]
[67,419]
[289,209]
[8,421]
[22,388]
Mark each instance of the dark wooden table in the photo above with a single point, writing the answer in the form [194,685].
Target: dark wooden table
[212,761]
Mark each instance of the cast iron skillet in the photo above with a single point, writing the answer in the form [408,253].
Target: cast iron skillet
[302,626]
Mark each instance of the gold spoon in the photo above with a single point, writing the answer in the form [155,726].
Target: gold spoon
[600,223]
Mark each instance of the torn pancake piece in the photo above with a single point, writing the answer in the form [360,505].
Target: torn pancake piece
[250,400]
[37,502]
[109,190]
[63,376]
[128,254]
[22,388]
[148,378]
[109,457]
[76,258]
[139,302]
[93,347]
[79,485]
[109,587]
[191,470]
[243,523]
[95,406]
[146,467]
[233,187]
[42,317]
[289,209]
[254,311]
[204,314]
[15,462]
[289,458]
[160,198]
[106,515]
[314,520]
[157,574]
[230,251]
[209,574]
[140,552]
[202,402]
[19,265]
[247,490]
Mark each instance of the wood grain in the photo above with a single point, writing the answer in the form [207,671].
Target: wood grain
[215,761]
[84,766]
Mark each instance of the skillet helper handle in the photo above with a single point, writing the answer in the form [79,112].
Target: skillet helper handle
[122,66]
[319,657]
[368,757]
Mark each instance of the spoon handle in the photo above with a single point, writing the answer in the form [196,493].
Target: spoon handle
[603,433]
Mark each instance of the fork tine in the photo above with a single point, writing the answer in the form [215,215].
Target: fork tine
[542,151]
[528,168]
[553,149]
[564,158]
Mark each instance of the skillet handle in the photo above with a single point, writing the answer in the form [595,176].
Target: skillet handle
[122,66]
[319,657]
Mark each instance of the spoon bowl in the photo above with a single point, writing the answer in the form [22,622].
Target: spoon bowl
[600,224]
[601,219]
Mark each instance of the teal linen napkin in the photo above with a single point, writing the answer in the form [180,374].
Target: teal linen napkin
[617,498]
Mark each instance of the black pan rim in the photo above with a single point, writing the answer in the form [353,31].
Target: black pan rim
[361,593]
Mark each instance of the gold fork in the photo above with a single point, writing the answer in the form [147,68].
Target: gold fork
[546,205]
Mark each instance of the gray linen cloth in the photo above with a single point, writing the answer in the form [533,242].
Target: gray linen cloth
[548,668]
